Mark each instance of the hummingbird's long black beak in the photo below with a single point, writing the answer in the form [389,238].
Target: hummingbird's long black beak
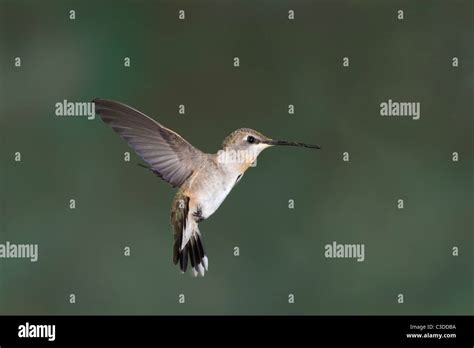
[290,143]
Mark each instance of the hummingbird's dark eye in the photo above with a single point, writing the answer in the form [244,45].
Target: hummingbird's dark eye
[250,139]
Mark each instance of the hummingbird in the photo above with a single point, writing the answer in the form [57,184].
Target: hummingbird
[204,180]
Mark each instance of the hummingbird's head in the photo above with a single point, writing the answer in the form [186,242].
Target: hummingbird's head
[248,143]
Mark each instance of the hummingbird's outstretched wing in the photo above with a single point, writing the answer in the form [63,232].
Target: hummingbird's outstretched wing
[166,152]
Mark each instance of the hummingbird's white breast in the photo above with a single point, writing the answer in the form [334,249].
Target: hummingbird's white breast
[211,185]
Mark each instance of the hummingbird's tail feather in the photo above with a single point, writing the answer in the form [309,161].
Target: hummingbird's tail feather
[194,250]
[183,260]
[188,244]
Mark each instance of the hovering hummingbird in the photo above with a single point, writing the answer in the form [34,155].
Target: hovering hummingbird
[204,180]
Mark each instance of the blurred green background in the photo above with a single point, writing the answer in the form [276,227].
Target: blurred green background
[281,62]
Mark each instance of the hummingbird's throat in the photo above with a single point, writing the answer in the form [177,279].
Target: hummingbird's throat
[242,158]
[244,166]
